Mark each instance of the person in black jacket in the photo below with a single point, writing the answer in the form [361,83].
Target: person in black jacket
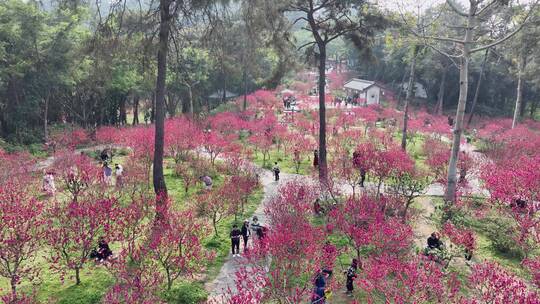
[319,291]
[235,240]
[276,171]
[351,275]
[434,241]
[246,233]
[103,251]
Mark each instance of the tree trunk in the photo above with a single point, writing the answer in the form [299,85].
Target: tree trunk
[160,188]
[13,282]
[478,84]
[244,106]
[440,95]
[190,96]
[450,195]
[322,114]
[224,88]
[224,96]
[532,110]
[400,93]
[136,110]
[405,211]
[123,114]
[101,112]
[524,101]
[522,61]
[214,224]
[84,114]
[77,276]
[46,118]
[171,105]
[153,108]
[169,278]
[408,97]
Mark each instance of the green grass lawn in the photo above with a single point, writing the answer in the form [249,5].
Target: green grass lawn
[485,251]
[94,283]
[285,162]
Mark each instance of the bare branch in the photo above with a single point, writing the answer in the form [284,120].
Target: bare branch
[449,56]
[446,39]
[306,44]
[297,8]
[339,34]
[486,8]
[324,4]
[300,18]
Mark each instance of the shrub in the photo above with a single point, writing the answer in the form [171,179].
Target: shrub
[213,243]
[501,235]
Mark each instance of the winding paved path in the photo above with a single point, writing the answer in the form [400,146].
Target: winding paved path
[226,277]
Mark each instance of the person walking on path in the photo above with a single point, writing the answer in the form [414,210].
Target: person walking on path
[356,156]
[107,173]
[235,240]
[319,292]
[105,155]
[351,275]
[246,233]
[207,181]
[275,169]
[119,172]
[362,176]
[256,227]
[48,183]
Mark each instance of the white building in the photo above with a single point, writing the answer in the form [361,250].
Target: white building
[419,90]
[369,92]
[219,95]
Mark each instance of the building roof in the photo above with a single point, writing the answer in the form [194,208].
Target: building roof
[287,91]
[219,95]
[359,84]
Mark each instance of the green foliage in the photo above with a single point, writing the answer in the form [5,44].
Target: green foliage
[186,293]
[191,66]
[494,229]
[499,231]
[39,52]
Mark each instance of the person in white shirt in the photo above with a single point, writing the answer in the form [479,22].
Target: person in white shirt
[119,172]
[48,183]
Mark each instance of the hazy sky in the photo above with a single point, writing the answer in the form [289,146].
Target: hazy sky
[413,5]
[409,5]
